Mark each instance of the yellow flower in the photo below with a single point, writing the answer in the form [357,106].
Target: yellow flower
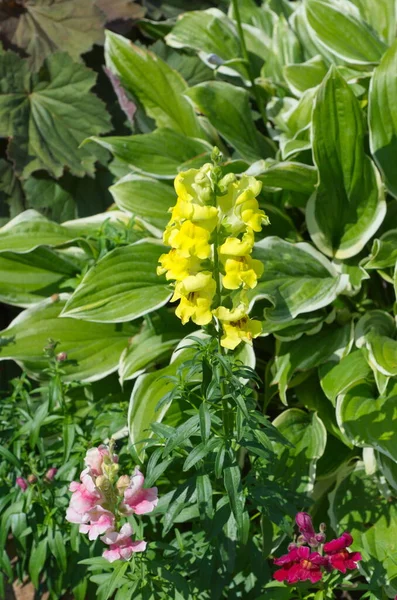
[195,184]
[241,271]
[189,239]
[237,326]
[204,216]
[239,205]
[196,293]
[235,246]
[176,266]
[249,212]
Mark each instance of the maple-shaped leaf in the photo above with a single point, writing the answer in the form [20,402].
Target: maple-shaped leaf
[42,27]
[121,9]
[48,114]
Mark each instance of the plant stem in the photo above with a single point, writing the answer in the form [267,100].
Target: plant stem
[246,57]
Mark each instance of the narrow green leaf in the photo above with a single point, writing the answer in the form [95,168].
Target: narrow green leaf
[37,559]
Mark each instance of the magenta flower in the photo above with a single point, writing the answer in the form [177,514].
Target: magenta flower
[137,499]
[22,483]
[308,534]
[99,521]
[121,545]
[299,565]
[85,496]
[338,556]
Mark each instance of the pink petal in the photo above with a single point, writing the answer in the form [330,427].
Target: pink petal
[281,574]
[315,576]
[111,555]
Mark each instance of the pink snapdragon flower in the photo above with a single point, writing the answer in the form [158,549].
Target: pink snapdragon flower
[99,521]
[299,565]
[121,545]
[22,483]
[95,457]
[338,556]
[85,496]
[137,499]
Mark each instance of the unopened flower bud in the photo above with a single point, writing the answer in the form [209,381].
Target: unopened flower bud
[323,527]
[122,484]
[32,478]
[61,357]
[301,539]
[51,473]
[292,546]
[22,483]
[320,538]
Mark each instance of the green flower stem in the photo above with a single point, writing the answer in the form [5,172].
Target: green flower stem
[244,50]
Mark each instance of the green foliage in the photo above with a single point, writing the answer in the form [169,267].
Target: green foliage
[301,95]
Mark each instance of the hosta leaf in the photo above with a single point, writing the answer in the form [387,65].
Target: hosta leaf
[157,86]
[381,16]
[228,110]
[285,50]
[48,115]
[382,116]
[161,153]
[29,278]
[306,75]
[259,16]
[122,286]
[297,465]
[293,176]
[146,198]
[348,205]
[309,351]
[30,230]
[357,506]
[94,349]
[297,279]
[384,252]
[212,35]
[336,379]
[338,26]
[45,26]
[368,421]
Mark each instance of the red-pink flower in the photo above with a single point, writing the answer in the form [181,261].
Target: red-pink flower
[338,556]
[85,496]
[121,545]
[99,521]
[137,499]
[299,565]
[22,483]
[94,459]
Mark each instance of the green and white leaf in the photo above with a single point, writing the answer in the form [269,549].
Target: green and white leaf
[338,26]
[382,117]
[145,198]
[94,349]
[297,279]
[384,252]
[129,273]
[161,153]
[157,86]
[29,230]
[348,206]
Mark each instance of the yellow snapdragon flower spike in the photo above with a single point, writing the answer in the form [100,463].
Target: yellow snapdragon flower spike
[176,266]
[241,271]
[237,326]
[196,294]
[190,240]
[214,220]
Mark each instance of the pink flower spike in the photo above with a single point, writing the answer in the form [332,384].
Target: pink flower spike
[121,546]
[22,483]
[85,496]
[94,459]
[137,499]
[100,521]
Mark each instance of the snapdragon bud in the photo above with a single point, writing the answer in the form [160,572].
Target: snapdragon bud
[49,476]
[122,484]
[22,483]
[61,357]
[32,478]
